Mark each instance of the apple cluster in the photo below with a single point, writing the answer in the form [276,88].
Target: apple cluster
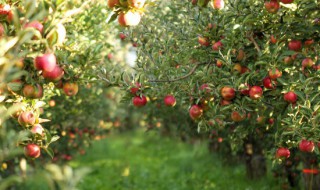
[128,12]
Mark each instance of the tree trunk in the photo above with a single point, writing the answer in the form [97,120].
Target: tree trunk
[311,175]
[256,166]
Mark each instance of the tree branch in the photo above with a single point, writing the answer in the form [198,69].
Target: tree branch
[255,43]
[183,77]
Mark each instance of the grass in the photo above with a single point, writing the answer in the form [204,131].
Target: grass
[145,161]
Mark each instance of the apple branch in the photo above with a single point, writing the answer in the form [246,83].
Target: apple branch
[254,43]
[182,77]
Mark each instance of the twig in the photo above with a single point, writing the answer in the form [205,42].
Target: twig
[255,43]
[180,78]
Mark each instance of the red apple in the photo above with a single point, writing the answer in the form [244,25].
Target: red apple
[255,92]
[271,121]
[169,100]
[135,89]
[217,45]
[237,67]
[46,62]
[136,3]
[55,75]
[306,146]
[268,83]
[34,24]
[52,103]
[70,89]
[244,89]
[307,62]
[203,41]
[272,6]
[122,36]
[26,118]
[129,18]
[237,116]
[1,30]
[286,1]
[139,101]
[37,129]
[195,112]
[273,40]
[219,63]
[38,92]
[113,3]
[224,102]
[5,9]
[31,91]
[290,97]
[217,4]
[308,42]
[295,45]
[283,153]
[241,55]
[228,93]
[274,74]
[287,60]
[32,151]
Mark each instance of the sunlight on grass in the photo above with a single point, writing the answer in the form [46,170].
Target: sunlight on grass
[145,161]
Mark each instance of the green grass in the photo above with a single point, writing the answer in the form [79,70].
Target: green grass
[145,161]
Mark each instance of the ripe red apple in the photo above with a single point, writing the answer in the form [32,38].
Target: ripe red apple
[37,129]
[38,92]
[217,4]
[26,118]
[135,89]
[255,92]
[54,75]
[237,68]
[306,146]
[274,74]
[203,41]
[268,83]
[271,121]
[31,91]
[46,62]
[228,93]
[273,40]
[237,116]
[113,3]
[217,45]
[195,112]
[70,89]
[5,9]
[34,24]
[295,45]
[169,100]
[32,151]
[136,3]
[283,153]
[52,103]
[272,6]
[244,89]
[194,2]
[286,1]
[1,30]
[308,42]
[122,36]
[290,97]
[129,18]
[287,60]
[28,91]
[139,101]
[219,63]
[307,62]
[241,55]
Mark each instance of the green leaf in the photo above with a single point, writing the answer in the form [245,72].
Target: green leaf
[112,18]
[50,152]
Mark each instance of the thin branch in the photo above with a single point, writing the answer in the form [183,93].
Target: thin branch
[255,43]
[181,78]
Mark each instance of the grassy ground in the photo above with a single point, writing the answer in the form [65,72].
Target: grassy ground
[145,161]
